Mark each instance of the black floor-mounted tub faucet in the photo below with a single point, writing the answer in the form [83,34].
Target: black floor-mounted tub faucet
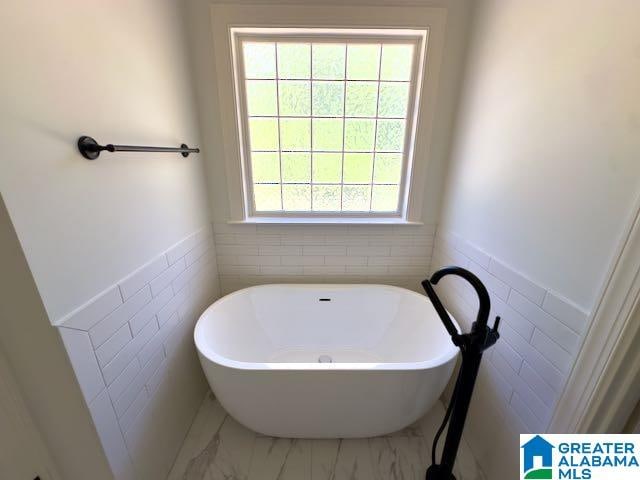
[471,345]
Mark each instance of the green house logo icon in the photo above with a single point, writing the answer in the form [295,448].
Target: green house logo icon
[538,447]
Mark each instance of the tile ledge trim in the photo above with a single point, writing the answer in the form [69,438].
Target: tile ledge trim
[453,239]
[65,318]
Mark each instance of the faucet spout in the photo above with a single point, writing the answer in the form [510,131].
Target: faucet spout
[481,291]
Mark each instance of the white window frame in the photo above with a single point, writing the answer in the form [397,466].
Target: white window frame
[418,38]
[385,24]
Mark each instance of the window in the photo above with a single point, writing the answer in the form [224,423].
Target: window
[327,119]
[299,59]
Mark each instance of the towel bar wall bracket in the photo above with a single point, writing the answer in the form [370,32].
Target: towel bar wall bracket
[90,149]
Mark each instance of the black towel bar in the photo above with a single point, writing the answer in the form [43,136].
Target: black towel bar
[90,149]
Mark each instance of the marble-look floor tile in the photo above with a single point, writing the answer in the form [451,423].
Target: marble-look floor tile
[219,448]
[208,421]
[297,464]
[354,460]
[198,466]
[280,459]
[398,458]
[234,452]
[269,457]
[324,456]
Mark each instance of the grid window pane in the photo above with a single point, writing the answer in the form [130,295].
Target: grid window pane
[261,97]
[359,135]
[296,167]
[328,61]
[267,198]
[263,133]
[384,198]
[394,98]
[294,60]
[363,62]
[362,99]
[259,60]
[355,198]
[326,124]
[327,134]
[265,167]
[295,98]
[326,198]
[327,168]
[388,168]
[328,99]
[390,135]
[295,133]
[296,198]
[358,167]
[396,62]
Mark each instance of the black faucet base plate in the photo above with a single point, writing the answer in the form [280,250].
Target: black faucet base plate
[434,472]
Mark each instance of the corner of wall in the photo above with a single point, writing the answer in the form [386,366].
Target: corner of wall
[523,375]
[41,368]
[132,351]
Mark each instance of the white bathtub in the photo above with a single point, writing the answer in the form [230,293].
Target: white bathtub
[259,348]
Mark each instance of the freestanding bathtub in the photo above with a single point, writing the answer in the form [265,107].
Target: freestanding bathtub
[325,361]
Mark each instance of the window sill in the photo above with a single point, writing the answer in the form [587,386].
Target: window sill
[324,221]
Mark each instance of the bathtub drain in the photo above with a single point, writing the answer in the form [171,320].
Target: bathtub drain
[325,359]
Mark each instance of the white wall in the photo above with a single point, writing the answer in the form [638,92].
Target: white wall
[252,255]
[117,71]
[41,369]
[544,175]
[545,164]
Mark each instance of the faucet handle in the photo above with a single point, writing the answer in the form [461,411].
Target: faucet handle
[492,335]
[496,324]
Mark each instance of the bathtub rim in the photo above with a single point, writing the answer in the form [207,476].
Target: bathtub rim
[212,356]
